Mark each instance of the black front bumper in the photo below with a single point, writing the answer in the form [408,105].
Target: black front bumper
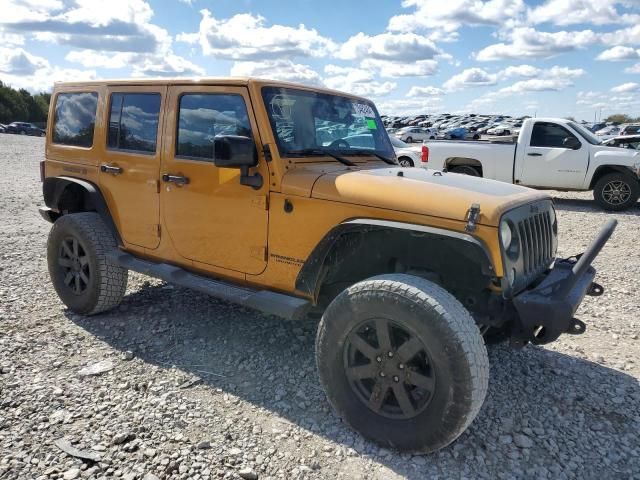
[546,311]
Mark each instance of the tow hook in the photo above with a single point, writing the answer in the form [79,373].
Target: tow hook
[595,290]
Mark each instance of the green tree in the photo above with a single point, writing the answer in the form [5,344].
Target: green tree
[21,106]
[619,118]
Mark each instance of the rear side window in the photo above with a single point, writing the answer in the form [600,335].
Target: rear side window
[133,121]
[203,116]
[75,118]
[549,135]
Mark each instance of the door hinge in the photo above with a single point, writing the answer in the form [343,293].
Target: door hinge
[260,201]
[259,253]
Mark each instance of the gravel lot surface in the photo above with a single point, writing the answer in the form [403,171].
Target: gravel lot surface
[198,388]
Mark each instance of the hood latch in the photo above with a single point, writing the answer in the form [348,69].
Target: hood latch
[473,214]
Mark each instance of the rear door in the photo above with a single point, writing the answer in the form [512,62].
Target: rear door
[130,168]
[209,215]
[547,162]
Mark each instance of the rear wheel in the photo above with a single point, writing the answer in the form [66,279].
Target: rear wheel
[83,276]
[402,362]
[409,140]
[466,170]
[405,162]
[616,191]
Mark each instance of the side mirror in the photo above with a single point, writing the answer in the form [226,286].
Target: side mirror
[236,151]
[571,143]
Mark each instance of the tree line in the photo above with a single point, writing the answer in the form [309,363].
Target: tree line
[21,106]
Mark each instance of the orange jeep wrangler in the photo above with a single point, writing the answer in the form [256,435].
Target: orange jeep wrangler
[288,199]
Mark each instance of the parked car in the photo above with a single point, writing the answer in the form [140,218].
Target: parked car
[24,128]
[500,130]
[629,130]
[629,141]
[550,153]
[407,155]
[404,268]
[609,131]
[3,128]
[416,134]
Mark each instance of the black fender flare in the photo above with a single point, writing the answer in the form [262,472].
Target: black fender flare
[53,189]
[309,277]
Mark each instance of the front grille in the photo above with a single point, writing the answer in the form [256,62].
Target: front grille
[537,242]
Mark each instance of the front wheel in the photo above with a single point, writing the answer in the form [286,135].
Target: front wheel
[83,276]
[616,191]
[402,362]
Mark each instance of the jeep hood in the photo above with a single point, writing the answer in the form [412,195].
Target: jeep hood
[423,192]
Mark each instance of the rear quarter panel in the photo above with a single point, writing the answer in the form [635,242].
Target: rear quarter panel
[496,159]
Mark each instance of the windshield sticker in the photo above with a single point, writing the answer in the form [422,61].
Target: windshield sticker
[363,110]
[371,124]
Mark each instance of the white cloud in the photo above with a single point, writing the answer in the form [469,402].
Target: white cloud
[619,53]
[526,71]
[633,69]
[626,88]
[170,65]
[246,37]
[410,106]
[116,25]
[281,69]
[574,12]
[403,47]
[21,69]
[471,77]
[17,61]
[449,16]
[357,81]
[424,91]
[391,69]
[526,42]
[537,85]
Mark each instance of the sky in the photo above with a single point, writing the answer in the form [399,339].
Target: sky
[514,57]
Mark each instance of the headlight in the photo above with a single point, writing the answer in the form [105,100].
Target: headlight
[506,234]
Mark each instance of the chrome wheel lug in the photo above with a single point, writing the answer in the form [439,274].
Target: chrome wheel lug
[379,359]
[382,374]
[401,366]
[396,379]
[390,354]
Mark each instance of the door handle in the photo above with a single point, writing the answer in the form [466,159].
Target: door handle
[177,179]
[534,154]
[110,169]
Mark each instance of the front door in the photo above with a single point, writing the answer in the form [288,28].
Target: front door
[130,167]
[548,162]
[210,217]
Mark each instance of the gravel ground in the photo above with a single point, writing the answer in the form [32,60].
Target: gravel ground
[199,388]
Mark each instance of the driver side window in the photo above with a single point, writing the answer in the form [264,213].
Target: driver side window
[549,135]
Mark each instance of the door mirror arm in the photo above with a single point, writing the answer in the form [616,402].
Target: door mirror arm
[254,181]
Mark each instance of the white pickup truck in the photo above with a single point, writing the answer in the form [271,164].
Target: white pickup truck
[550,153]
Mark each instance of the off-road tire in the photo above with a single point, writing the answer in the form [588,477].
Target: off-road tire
[631,183]
[405,162]
[466,170]
[107,282]
[457,354]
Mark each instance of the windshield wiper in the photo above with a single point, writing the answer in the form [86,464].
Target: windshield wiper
[371,152]
[322,151]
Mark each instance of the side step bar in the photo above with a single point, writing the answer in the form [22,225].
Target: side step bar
[285,306]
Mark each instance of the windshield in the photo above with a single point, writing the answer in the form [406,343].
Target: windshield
[586,134]
[305,121]
[397,143]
